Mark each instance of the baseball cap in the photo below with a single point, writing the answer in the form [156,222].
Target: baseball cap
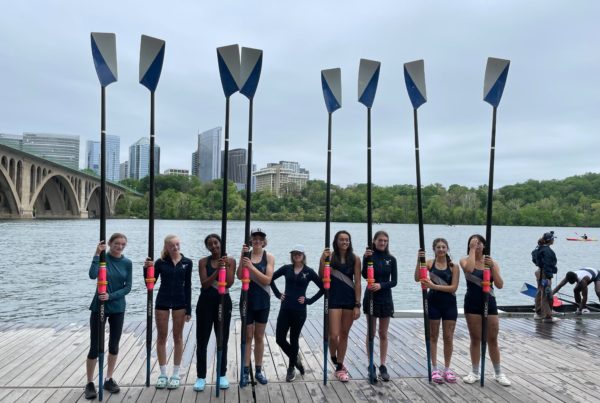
[257,231]
[548,236]
[297,248]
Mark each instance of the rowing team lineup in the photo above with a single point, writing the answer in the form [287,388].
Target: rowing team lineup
[338,278]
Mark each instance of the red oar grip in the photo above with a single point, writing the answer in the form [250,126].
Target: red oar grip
[485,283]
[102,278]
[370,275]
[245,279]
[150,280]
[327,276]
[221,279]
[423,273]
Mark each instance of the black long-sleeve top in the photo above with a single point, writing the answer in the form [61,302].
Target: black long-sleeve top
[175,289]
[295,286]
[386,274]
[547,261]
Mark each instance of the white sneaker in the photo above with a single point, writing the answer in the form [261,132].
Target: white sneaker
[537,316]
[502,380]
[551,319]
[471,378]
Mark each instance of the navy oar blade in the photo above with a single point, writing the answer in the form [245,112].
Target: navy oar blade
[229,68]
[152,55]
[414,77]
[104,52]
[331,82]
[368,77]
[251,66]
[496,72]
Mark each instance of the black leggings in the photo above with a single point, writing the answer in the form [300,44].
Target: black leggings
[115,322]
[207,319]
[292,321]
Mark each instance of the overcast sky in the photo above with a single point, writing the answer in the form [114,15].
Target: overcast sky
[548,119]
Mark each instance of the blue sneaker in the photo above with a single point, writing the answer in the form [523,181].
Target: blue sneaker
[245,377]
[199,385]
[260,377]
[223,382]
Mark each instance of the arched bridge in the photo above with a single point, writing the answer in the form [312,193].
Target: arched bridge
[31,186]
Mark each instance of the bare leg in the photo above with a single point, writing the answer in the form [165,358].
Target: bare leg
[474,325]
[162,330]
[112,363]
[259,342]
[249,337]
[90,367]
[384,324]
[492,339]
[448,327]
[434,334]
[335,324]
[347,321]
[178,322]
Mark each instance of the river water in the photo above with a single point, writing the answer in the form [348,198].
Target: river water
[44,263]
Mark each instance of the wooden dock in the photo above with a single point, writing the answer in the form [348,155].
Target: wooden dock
[550,363]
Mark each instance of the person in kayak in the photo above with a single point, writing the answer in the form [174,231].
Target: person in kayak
[174,299]
[119,276]
[386,277]
[581,278]
[473,265]
[545,260]
[442,283]
[292,313]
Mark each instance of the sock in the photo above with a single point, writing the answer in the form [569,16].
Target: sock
[446,369]
[334,359]
[163,370]
[175,370]
[339,366]
[257,368]
[475,369]
[434,368]
[497,369]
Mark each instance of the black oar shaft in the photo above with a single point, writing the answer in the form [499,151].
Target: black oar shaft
[225,182]
[149,292]
[328,186]
[248,175]
[369,200]
[102,262]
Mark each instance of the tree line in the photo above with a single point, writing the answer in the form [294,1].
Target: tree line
[574,201]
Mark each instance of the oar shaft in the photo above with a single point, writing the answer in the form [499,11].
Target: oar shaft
[369,183]
[327,270]
[249,174]
[225,182]
[490,196]
[102,262]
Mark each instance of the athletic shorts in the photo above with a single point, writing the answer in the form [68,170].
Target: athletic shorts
[380,310]
[260,316]
[475,305]
[443,312]
[341,306]
[166,308]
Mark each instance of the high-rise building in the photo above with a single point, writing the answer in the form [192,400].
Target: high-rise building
[206,161]
[281,178]
[124,170]
[12,140]
[92,156]
[236,168]
[60,148]
[175,171]
[139,159]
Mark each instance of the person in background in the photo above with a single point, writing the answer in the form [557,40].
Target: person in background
[442,283]
[386,277]
[473,265]
[292,313]
[546,262]
[119,277]
[261,265]
[174,299]
[581,278]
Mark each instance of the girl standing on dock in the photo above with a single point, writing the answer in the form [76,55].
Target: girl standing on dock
[175,297]
[292,314]
[442,284]
[119,276]
[473,265]
[207,308]
[386,277]
[261,265]
[344,297]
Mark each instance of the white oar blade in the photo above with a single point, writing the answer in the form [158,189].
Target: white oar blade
[368,77]
[104,52]
[331,81]
[250,71]
[496,72]
[229,68]
[152,54]
[414,77]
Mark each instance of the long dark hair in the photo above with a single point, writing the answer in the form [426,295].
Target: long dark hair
[385,234]
[336,252]
[443,240]
[479,237]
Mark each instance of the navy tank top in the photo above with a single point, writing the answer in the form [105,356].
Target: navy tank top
[341,293]
[259,296]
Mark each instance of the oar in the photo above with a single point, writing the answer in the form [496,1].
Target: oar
[531,291]
[152,54]
[104,52]
[562,298]
[414,77]
[331,82]
[368,77]
[228,58]
[496,72]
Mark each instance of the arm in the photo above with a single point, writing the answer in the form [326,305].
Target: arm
[264,279]
[127,288]
[357,285]
[584,292]
[276,275]
[560,285]
[230,271]
[468,262]
[315,279]
[245,250]
[394,277]
[93,272]
[498,281]
[188,290]
[326,254]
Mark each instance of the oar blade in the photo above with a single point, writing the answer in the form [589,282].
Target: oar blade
[229,68]
[152,54]
[496,72]
[250,69]
[368,77]
[414,77]
[331,82]
[104,52]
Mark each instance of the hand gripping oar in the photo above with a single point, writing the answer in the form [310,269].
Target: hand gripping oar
[228,58]
[368,77]
[331,83]
[152,54]
[496,72]
[414,77]
[104,52]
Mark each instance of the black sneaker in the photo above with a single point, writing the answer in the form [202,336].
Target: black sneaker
[291,374]
[111,386]
[90,391]
[245,377]
[299,365]
[383,374]
[259,375]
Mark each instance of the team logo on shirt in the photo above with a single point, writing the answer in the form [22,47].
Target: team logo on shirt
[304,275]
[388,262]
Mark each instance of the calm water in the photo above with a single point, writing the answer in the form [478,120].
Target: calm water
[44,264]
